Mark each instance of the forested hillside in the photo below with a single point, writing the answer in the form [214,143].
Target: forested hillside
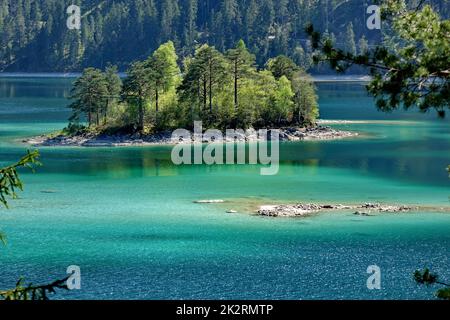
[34,35]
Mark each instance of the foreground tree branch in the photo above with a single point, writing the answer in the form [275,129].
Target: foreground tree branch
[9,183]
[427,278]
[9,177]
[413,70]
[30,292]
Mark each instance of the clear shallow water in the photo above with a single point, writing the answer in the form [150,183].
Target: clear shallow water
[126,217]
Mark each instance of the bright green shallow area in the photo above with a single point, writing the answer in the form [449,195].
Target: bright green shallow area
[126,217]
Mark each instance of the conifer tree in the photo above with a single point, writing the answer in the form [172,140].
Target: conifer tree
[89,93]
[349,39]
[164,70]
[137,90]
[242,64]
[114,88]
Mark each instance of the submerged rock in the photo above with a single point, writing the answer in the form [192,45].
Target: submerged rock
[360,213]
[386,208]
[210,201]
[49,191]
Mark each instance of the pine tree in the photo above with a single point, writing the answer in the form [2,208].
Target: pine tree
[349,40]
[170,12]
[306,107]
[137,90]
[114,88]
[164,70]
[242,64]
[283,101]
[411,69]
[231,21]
[282,66]
[207,71]
[190,9]
[251,15]
[89,93]
[363,45]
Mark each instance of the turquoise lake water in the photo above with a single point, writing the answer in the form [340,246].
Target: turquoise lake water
[126,215]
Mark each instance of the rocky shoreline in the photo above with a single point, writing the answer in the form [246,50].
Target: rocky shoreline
[306,209]
[165,138]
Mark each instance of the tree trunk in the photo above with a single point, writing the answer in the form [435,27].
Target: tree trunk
[141,114]
[210,87]
[235,86]
[204,93]
[106,112]
[157,99]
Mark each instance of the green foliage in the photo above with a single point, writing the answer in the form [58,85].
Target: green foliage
[363,46]
[411,69]
[74,129]
[242,65]
[283,103]
[163,67]
[9,177]
[114,88]
[30,292]
[306,107]
[425,277]
[210,69]
[350,45]
[10,181]
[137,89]
[165,76]
[113,81]
[89,95]
[224,91]
[153,80]
[428,278]
[282,66]
[443,294]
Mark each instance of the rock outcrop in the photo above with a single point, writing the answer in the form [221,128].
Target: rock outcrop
[302,209]
[165,138]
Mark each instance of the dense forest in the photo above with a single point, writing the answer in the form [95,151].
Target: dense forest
[34,35]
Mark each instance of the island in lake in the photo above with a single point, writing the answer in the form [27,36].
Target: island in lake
[223,91]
